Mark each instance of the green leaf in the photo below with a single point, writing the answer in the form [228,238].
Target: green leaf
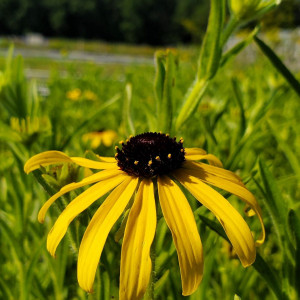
[238,47]
[163,88]
[159,284]
[239,98]
[159,77]
[191,102]
[273,198]
[286,148]
[279,65]
[39,177]
[211,50]
[209,59]
[294,225]
[127,120]
[259,265]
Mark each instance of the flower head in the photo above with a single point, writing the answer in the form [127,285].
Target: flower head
[74,94]
[142,163]
[249,9]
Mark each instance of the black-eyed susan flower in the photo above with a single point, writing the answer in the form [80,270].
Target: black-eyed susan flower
[144,162]
[96,138]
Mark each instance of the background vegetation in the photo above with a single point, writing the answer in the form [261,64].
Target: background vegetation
[151,22]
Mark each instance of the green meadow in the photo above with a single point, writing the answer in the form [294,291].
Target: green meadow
[248,116]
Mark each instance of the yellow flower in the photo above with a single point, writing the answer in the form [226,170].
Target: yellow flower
[89,95]
[96,138]
[74,94]
[248,9]
[144,162]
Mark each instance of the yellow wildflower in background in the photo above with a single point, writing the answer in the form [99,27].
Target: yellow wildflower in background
[96,138]
[144,162]
[74,94]
[89,95]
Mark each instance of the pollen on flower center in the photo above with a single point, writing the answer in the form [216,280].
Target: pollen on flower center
[150,154]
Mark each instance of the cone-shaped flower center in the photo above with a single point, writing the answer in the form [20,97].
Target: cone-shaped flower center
[150,154]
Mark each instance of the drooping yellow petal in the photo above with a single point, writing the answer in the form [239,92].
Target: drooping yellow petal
[200,154]
[75,185]
[234,225]
[92,164]
[55,157]
[213,160]
[220,172]
[180,219]
[107,159]
[194,151]
[234,188]
[78,205]
[139,233]
[45,158]
[98,229]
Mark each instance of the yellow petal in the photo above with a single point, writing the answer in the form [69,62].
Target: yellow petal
[234,225]
[194,151]
[139,233]
[234,188]
[213,160]
[107,159]
[75,185]
[55,157]
[45,158]
[92,164]
[78,205]
[220,172]
[180,219]
[98,229]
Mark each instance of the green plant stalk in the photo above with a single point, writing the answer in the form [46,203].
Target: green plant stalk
[194,95]
[231,26]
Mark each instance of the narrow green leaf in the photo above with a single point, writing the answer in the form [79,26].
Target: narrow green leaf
[159,284]
[6,291]
[159,77]
[34,259]
[127,120]
[39,177]
[279,65]
[239,99]
[191,102]
[238,47]
[294,224]
[287,150]
[211,50]
[259,265]
[274,200]
[163,89]
[209,59]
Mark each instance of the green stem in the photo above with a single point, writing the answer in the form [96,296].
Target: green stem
[230,27]
[194,96]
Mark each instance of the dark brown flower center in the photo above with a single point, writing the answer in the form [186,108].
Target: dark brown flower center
[150,154]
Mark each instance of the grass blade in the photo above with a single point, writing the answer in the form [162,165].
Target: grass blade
[279,65]
[259,265]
